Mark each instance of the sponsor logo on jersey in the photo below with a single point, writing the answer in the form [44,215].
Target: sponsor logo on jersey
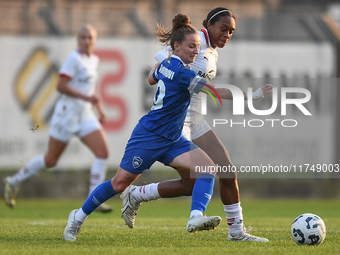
[210,76]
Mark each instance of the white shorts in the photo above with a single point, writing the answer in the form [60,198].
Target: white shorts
[85,127]
[195,129]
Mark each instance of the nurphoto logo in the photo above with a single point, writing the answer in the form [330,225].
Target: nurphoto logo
[239,106]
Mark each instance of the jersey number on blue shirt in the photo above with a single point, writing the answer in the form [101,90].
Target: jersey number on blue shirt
[158,100]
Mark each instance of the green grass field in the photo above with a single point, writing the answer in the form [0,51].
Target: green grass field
[36,227]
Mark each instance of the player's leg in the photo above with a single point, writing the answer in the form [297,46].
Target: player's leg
[96,141]
[177,187]
[133,196]
[131,167]
[168,188]
[203,188]
[102,193]
[229,191]
[33,167]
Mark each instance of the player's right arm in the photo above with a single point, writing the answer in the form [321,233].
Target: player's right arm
[67,71]
[64,88]
[152,79]
[160,56]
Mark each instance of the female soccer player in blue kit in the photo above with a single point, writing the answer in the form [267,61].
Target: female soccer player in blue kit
[158,135]
[219,27]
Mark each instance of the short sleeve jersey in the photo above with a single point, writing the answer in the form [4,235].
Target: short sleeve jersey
[82,70]
[176,84]
[204,65]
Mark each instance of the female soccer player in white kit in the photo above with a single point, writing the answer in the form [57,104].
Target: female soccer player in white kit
[218,29]
[73,115]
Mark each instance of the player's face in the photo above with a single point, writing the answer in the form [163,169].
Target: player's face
[188,49]
[86,40]
[221,32]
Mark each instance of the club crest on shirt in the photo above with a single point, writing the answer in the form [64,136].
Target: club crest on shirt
[211,75]
[136,162]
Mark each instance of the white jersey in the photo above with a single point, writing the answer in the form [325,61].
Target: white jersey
[82,71]
[204,65]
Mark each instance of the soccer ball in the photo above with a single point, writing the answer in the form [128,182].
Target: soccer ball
[308,229]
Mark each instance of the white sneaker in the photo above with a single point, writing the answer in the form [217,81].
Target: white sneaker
[199,223]
[72,228]
[9,192]
[245,237]
[130,206]
[103,208]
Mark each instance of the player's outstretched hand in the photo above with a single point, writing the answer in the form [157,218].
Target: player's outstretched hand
[267,89]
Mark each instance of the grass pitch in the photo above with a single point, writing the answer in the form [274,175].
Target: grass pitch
[36,227]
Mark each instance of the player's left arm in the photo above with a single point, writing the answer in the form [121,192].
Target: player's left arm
[225,93]
[101,112]
[261,92]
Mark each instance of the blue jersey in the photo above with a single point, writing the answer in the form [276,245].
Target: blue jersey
[176,84]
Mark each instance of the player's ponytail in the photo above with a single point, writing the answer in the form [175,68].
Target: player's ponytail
[181,26]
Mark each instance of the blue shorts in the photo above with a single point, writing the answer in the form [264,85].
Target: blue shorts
[145,148]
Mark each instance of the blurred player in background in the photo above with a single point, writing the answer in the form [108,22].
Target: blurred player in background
[158,135]
[219,27]
[73,115]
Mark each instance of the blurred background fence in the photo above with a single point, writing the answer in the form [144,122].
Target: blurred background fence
[283,20]
[284,42]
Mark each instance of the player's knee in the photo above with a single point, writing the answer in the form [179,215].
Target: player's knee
[103,154]
[50,162]
[119,187]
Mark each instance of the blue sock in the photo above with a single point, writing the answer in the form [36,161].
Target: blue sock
[202,192]
[102,193]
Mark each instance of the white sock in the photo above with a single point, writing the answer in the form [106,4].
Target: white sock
[234,218]
[80,216]
[146,193]
[32,168]
[195,213]
[97,174]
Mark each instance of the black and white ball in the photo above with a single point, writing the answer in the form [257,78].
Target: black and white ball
[308,229]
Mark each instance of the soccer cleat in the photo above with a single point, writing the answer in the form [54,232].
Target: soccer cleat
[103,208]
[9,192]
[130,206]
[245,237]
[199,223]
[72,228]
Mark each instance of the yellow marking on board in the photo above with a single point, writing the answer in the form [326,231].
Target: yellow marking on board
[39,57]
